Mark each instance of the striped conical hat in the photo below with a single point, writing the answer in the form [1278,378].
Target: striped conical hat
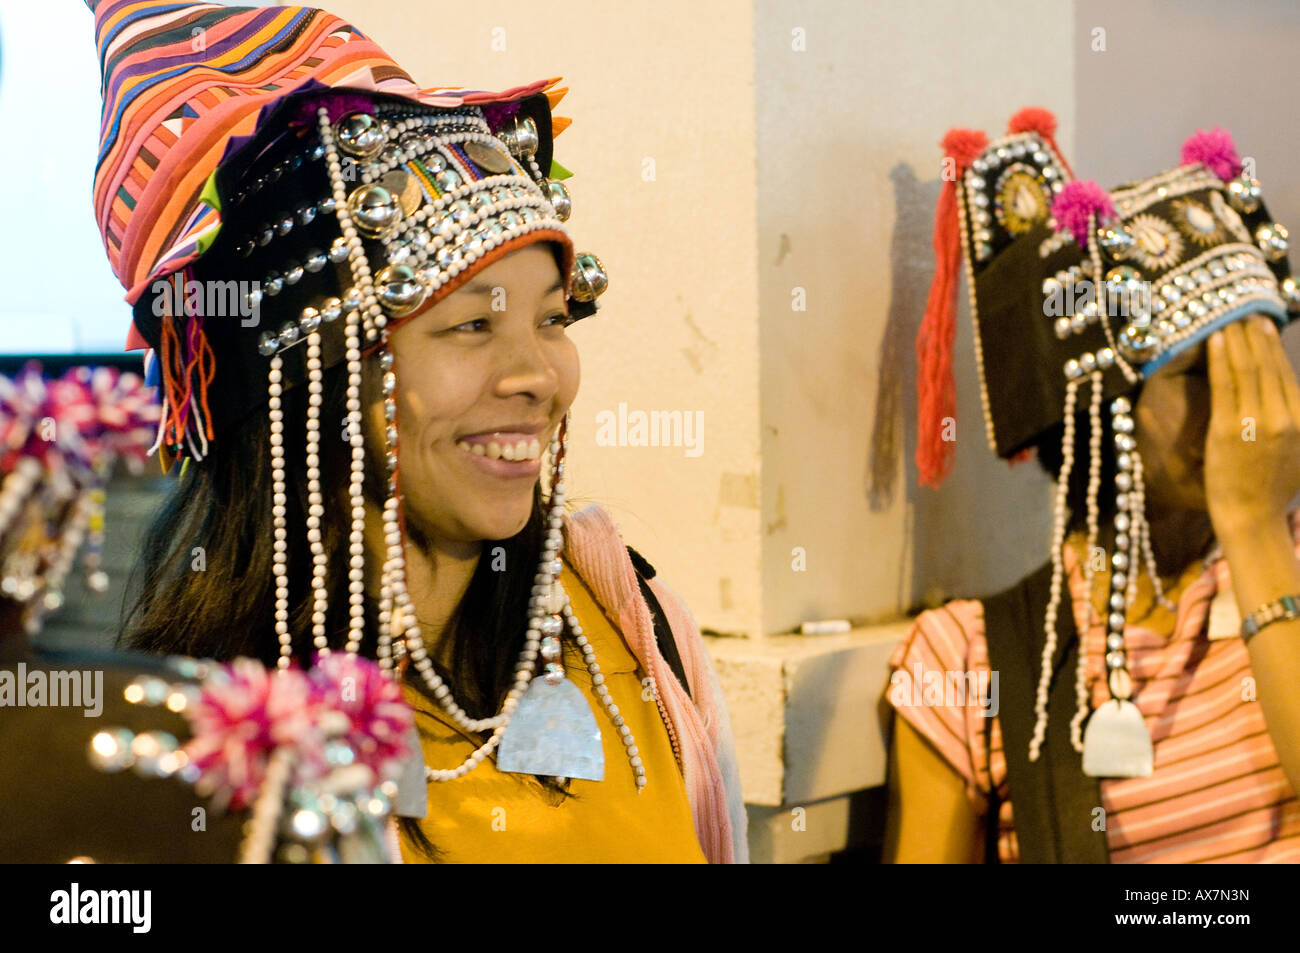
[184,82]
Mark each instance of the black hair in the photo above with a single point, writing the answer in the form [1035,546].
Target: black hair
[204,577]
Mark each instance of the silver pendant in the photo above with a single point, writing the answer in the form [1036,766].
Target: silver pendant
[1116,743]
[553,732]
[412,788]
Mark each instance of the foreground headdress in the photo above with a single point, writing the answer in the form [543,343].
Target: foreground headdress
[281,156]
[60,440]
[1071,285]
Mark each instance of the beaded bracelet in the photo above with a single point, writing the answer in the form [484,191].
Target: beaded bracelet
[1280,610]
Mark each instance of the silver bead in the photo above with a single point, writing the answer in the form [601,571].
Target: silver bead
[1243,194]
[1124,462]
[285,225]
[331,309]
[589,278]
[1115,643]
[316,260]
[288,333]
[1117,601]
[1121,541]
[399,291]
[1120,581]
[306,214]
[273,284]
[309,320]
[339,250]
[374,210]
[1114,660]
[294,273]
[1120,561]
[1105,358]
[360,136]
[268,342]
[560,199]
[1063,327]
[1138,344]
[1121,526]
[520,137]
[1272,240]
[1088,362]
[1116,241]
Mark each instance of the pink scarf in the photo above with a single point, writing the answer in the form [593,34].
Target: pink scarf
[595,550]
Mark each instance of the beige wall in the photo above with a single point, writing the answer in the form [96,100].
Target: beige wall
[773,169]
[848,162]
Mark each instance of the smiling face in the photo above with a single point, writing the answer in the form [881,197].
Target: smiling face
[484,378]
[1172,417]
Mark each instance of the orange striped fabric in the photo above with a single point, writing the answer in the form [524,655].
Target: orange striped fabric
[1217,794]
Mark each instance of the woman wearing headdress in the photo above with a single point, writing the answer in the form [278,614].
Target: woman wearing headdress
[1130,339]
[374,419]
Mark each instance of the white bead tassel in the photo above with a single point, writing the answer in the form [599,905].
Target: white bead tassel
[1059,512]
[315,499]
[279,504]
[356,430]
[1082,708]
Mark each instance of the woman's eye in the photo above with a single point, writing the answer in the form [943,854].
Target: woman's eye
[478,324]
[560,318]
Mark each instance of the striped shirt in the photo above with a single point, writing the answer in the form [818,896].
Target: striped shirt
[1217,793]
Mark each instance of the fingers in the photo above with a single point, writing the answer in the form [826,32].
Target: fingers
[1223,389]
[1279,393]
[1244,369]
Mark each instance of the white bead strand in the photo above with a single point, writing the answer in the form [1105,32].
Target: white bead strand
[315,498]
[279,512]
[1059,519]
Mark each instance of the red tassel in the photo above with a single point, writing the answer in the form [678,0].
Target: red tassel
[936,386]
[1039,120]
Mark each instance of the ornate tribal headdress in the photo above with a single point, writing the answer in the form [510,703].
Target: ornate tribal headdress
[1071,286]
[279,152]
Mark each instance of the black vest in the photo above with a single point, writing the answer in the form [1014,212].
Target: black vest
[1054,801]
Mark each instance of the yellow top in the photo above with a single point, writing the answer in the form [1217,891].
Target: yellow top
[489,816]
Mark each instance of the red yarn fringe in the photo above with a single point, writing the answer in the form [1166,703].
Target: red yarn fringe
[936,386]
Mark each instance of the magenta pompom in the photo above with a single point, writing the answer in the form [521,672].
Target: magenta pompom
[1214,150]
[339,105]
[1075,203]
[496,114]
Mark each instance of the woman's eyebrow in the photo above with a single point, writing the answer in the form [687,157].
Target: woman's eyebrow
[481,287]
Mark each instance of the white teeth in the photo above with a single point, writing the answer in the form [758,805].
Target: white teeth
[529,449]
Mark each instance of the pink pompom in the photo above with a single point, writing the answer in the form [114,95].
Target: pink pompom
[964,145]
[1075,203]
[244,713]
[379,718]
[1214,150]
